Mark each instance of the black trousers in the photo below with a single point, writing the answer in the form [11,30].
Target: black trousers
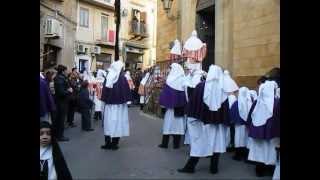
[176,140]
[85,119]
[60,117]
[71,110]
[193,161]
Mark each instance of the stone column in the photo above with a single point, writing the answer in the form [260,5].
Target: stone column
[224,34]
[187,18]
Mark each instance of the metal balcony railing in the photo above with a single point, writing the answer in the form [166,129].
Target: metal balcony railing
[138,28]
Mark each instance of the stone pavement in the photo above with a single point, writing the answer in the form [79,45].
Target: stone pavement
[138,156]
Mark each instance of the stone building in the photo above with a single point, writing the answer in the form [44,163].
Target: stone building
[58,21]
[95,36]
[242,36]
[137,35]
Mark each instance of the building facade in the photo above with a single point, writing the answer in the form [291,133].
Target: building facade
[95,36]
[137,35]
[58,22]
[242,36]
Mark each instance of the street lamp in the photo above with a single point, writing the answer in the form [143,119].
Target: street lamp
[167,4]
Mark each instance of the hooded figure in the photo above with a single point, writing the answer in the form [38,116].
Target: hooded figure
[101,75]
[115,95]
[239,115]
[253,95]
[194,77]
[141,89]
[208,115]
[264,128]
[175,52]
[131,84]
[52,163]
[173,98]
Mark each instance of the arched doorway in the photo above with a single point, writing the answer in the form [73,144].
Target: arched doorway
[205,26]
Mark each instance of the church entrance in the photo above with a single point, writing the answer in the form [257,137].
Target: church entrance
[205,26]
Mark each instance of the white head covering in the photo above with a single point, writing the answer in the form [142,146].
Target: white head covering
[101,74]
[229,85]
[278,93]
[193,43]
[176,77]
[194,78]
[231,99]
[213,88]
[127,75]
[145,78]
[42,76]
[244,102]
[114,72]
[176,49]
[264,108]
[253,94]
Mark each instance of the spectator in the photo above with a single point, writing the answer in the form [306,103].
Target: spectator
[74,83]
[85,104]
[62,93]
[52,163]
[46,100]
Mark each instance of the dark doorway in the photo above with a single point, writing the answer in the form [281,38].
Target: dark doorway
[205,26]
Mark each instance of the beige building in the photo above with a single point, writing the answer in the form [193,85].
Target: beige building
[137,35]
[242,36]
[96,34]
[58,21]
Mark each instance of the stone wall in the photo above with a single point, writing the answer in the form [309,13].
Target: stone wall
[166,30]
[256,39]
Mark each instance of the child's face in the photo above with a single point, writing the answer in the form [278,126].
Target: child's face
[45,137]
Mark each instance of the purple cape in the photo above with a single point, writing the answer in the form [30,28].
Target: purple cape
[119,94]
[269,130]
[199,110]
[235,116]
[171,98]
[46,99]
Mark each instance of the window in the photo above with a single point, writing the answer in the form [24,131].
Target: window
[50,56]
[84,17]
[103,61]
[104,28]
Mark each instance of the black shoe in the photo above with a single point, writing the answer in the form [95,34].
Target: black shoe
[106,146]
[63,139]
[236,158]
[72,125]
[213,171]
[185,170]
[114,148]
[162,146]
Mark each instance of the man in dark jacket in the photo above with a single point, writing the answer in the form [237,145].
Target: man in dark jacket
[85,104]
[73,100]
[62,93]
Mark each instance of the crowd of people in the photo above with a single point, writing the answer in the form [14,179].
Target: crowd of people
[207,108]
[213,113]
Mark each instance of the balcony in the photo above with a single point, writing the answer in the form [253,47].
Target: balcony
[138,29]
[108,4]
[107,40]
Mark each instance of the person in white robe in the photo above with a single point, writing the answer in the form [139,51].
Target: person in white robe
[173,125]
[240,116]
[99,80]
[264,117]
[210,138]
[115,95]
[192,80]
[142,91]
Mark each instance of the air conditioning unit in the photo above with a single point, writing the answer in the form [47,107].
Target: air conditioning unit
[53,28]
[96,49]
[81,48]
